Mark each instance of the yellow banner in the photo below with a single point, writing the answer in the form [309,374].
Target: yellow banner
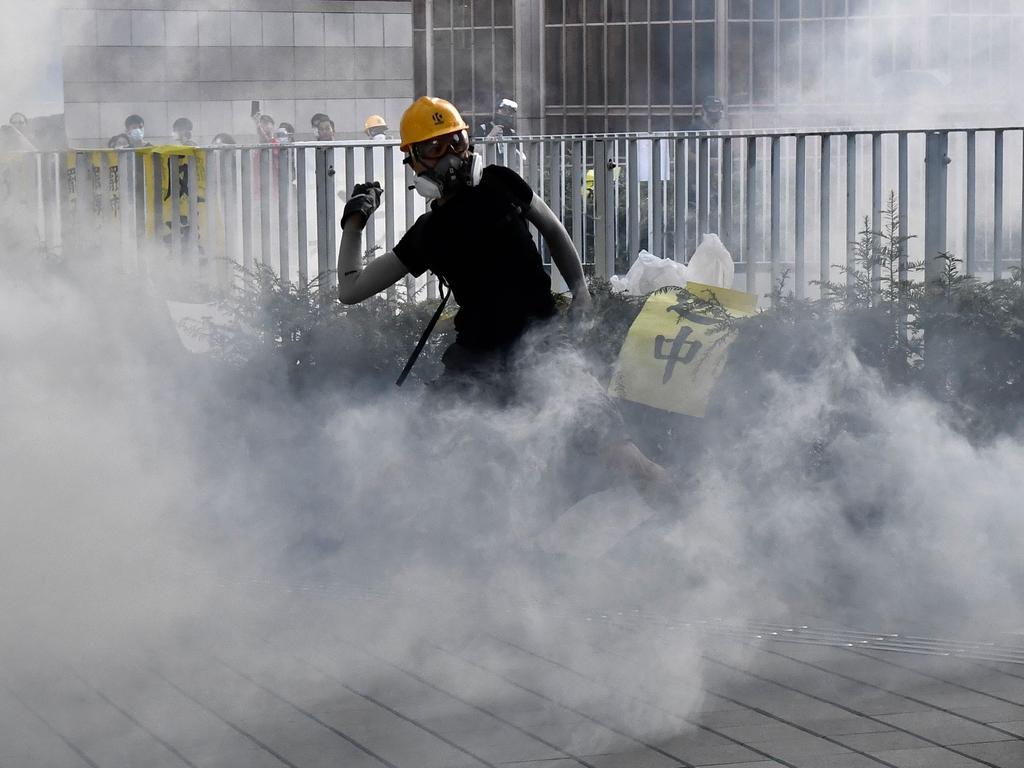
[104,183]
[166,153]
[676,349]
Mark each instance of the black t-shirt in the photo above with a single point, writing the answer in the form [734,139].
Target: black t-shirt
[478,242]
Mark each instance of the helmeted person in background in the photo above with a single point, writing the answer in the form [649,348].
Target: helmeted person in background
[503,126]
[504,122]
[712,111]
[135,129]
[476,239]
[181,132]
[376,128]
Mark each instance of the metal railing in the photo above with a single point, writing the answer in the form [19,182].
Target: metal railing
[789,205]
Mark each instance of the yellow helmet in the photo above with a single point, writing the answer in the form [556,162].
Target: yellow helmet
[427,118]
[374,121]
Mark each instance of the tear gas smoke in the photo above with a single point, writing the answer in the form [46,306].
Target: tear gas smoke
[162,509]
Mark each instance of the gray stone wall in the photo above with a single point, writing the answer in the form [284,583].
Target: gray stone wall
[207,59]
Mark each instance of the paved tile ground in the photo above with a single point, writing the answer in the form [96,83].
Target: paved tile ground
[250,694]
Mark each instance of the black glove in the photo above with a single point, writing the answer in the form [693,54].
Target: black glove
[364,201]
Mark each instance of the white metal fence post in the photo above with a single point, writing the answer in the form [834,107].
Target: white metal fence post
[935,177]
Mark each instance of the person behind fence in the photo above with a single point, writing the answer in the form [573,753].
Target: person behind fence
[476,239]
[119,141]
[324,127]
[376,128]
[285,133]
[266,133]
[19,123]
[135,129]
[181,132]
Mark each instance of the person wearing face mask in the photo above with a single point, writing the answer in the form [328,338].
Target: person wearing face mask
[476,239]
[285,133]
[135,129]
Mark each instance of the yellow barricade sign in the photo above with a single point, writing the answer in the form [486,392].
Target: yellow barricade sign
[675,351]
[104,182]
[166,153]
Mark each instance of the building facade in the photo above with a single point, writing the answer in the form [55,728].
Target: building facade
[581,66]
[209,59]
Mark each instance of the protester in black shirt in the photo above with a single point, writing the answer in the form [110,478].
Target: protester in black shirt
[476,239]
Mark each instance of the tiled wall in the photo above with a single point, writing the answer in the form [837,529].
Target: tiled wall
[207,59]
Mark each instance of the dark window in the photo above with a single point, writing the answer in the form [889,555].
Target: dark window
[617,64]
[594,12]
[595,65]
[504,71]
[443,62]
[661,10]
[573,11]
[763,54]
[704,9]
[764,9]
[616,10]
[552,11]
[812,59]
[704,50]
[502,14]
[682,10]
[682,64]
[638,72]
[442,13]
[419,50]
[638,10]
[554,63]
[617,124]
[419,14]
[462,14]
[661,58]
[812,9]
[483,66]
[789,9]
[482,16]
[573,65]
[835,8]
[789,60]
[739,10]
[739,62]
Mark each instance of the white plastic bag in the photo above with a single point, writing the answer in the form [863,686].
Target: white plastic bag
[649,273]
[711,263]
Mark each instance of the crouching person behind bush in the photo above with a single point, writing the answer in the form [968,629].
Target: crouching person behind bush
[475,239]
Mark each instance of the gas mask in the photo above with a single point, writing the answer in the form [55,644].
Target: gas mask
[450,173]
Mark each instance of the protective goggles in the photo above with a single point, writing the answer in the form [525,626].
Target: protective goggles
[436,148]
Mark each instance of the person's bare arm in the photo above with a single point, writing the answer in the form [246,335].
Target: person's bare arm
[563,252]
[356,284]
